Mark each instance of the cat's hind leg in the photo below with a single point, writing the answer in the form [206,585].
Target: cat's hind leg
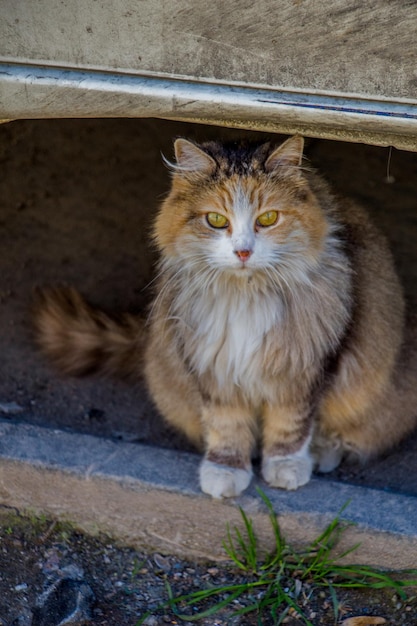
[173,390]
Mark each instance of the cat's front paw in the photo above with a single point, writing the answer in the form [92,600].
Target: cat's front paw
[223,481]
[287,472]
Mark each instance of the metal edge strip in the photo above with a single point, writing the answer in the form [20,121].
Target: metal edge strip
[28,91]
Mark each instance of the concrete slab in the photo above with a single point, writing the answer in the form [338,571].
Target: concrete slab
[149,497]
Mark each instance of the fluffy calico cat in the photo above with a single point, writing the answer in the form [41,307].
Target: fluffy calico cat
[277,320]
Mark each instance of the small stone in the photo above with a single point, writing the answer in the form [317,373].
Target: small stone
[298,587]
[151,620]
[162,562]
[213,571]
[10,408]
[21,587]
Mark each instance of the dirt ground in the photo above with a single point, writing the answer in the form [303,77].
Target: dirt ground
[77,200]
[122,585]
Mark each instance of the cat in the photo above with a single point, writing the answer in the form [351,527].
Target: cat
[277,320]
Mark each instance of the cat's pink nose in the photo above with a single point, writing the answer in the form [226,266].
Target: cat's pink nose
[243,254]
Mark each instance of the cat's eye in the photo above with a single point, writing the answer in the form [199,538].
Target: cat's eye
[267,219]
[217,220]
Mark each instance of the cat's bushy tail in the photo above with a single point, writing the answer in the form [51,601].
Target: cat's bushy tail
[81,340]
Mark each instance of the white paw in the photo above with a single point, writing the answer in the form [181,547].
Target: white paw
[223,481]
[327,459]
[287,472]
[327,452]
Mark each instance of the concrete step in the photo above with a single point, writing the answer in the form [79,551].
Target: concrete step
[149,498]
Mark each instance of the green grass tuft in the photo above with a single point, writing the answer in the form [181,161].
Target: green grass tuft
[275,584]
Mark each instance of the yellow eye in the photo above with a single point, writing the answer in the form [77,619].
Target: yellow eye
[267,219]
[217,220]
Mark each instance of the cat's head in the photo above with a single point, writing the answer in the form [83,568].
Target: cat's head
[241,208]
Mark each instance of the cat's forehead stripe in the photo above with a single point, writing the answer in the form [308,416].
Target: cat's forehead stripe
[235,198]
[244,159]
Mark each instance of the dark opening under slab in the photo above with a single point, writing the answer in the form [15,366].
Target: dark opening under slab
[77,201]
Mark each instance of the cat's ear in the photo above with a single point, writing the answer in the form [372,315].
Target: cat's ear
[288,154]
[191,158]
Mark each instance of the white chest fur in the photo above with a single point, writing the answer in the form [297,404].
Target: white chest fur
[227,334]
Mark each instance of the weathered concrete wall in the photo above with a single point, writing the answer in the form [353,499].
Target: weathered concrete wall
[341,71]
[347,46]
